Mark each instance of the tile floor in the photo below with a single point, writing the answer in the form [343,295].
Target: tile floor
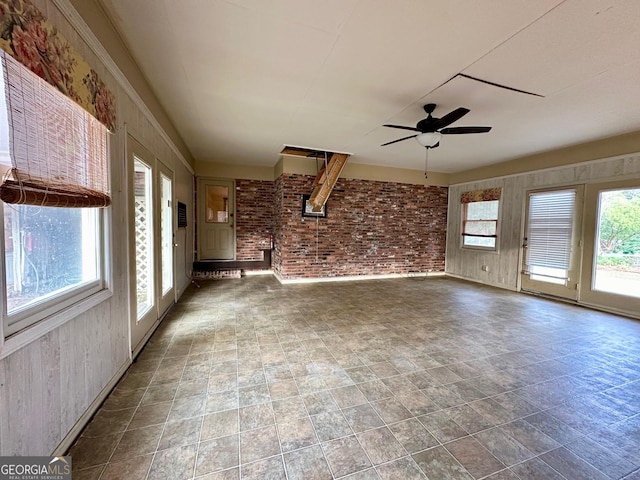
[393,379]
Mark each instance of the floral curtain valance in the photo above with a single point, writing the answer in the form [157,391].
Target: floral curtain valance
[29,38]
[485,195]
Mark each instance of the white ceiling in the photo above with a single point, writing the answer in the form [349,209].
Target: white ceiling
[242,78]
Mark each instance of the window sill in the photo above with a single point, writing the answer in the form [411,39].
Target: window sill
[30,334]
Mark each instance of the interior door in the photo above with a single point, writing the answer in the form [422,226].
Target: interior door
[216,221]
[551,246]
[165,238]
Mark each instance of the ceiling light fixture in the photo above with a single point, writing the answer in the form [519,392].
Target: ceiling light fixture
[428,139]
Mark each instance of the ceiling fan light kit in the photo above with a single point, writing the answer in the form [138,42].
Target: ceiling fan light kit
[428,139]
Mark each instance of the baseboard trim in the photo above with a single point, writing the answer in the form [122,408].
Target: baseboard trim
[355,278]
[146,337]
[475,280]
[82,422]
[251,273]
[66,443]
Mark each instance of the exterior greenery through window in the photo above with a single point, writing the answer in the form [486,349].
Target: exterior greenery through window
[618,243]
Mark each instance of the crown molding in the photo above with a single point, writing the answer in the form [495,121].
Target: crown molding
[78,23]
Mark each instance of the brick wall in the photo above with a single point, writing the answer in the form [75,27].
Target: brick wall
[372,228]
[254,217]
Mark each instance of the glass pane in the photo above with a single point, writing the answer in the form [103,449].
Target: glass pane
[617,268]
[144,237]
[559,276]
[481,218]
[550,232]
[217,204]
[483,210]
[479,242]
[48,251]
[166,222]
[480,227]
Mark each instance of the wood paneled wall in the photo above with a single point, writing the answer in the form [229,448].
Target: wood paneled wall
[47,387]
[504,265]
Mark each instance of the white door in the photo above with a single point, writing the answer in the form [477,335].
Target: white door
[165,239]
[551,259]
[216,221]
[152,241]
[142,270]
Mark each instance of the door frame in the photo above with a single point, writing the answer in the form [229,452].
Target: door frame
[200,206]
[571,290]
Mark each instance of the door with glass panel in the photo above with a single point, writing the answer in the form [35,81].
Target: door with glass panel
[144,308]
[611,277]
[151,243]
[216,222]
[165,239]
[551,247]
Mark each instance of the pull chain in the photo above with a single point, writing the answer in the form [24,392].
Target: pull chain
[317,236]
[426,161]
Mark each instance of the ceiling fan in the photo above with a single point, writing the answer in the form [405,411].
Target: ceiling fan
[431,129]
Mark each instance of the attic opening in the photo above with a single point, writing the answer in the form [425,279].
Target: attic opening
[332,164]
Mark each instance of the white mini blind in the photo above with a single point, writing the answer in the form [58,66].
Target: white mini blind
[550,229]
[58,151]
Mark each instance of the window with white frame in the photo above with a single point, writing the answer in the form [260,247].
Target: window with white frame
[54,157]
[480,212]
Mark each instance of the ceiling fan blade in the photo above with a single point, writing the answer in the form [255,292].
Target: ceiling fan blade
[462,130]
[398,140]
[451,117]
[414,129]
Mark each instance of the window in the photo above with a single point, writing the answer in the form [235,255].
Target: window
[617,260]
[54,157]
[480,224]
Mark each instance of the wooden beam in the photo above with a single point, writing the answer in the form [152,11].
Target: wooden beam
[326,180]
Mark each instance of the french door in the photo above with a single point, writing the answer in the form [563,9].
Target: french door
[165,235]
[611,275]
[151,242]
[553,230]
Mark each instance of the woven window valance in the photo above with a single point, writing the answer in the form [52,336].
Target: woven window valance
[54,152]
[28,37]
[485,195]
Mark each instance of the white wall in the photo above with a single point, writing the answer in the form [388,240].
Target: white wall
[49,387]
[504,265]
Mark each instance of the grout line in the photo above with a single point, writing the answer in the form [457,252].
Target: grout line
[318,330]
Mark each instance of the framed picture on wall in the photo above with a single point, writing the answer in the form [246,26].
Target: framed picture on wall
[307,209]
